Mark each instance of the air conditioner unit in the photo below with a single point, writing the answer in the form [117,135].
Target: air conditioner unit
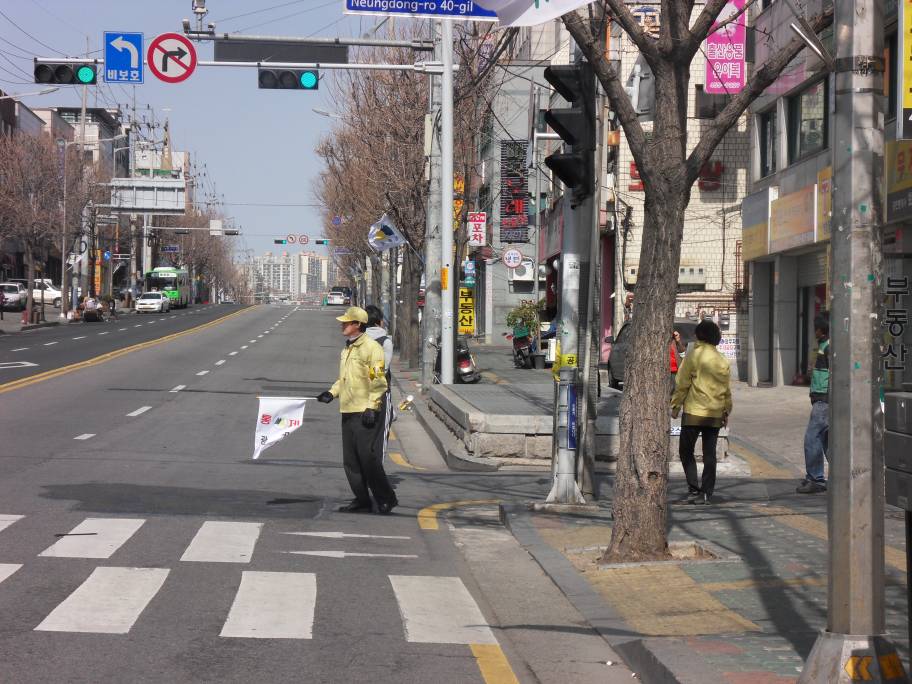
[692,275]
[523,273]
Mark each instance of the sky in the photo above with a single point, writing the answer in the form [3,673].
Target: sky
[257,145]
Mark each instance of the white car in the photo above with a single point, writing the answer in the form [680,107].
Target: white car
[14,296]
[153,301]
[335,299]
[46,292]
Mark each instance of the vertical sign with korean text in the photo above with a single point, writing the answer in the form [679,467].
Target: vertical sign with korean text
[466,321]
[478,228]
[514,192]
[895,350]
[904,70]
[725,47]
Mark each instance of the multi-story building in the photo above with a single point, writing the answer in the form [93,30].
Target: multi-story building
[787,216]
[278,275]
[104,133]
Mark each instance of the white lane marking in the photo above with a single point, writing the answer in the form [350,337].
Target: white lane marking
[161,319]
[7,569]
[350,554]
[252,341]
[138,412]
[223,542]
[81,337]
[219,363]
[6,520]
[108,602]
[234,353]
[178,388]
[266,332]
[104,333]
[202,372]
[174,316]
[17,364]
[273,605]
[138,325]
[258,336]
[439,610]
[20,349]
[121,329]
[94,538]
[48,344]
[243,346]
[346,535]
[85,435]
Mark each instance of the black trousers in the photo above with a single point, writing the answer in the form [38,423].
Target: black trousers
[687,442]
[363,461]
[385,416]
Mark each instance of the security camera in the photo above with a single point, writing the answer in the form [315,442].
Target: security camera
[186,25]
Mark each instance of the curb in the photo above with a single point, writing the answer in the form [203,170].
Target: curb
[655,660]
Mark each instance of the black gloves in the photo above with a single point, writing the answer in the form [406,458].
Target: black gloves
[369,418]
[325,397]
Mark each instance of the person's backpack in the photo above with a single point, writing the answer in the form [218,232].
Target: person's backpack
[389,378]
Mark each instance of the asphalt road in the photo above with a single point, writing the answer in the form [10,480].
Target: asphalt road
[139,542]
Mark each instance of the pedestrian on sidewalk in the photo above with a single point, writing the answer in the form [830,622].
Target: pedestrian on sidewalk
[378,334]
[677,349]
[817,434]
[360,389]
[703,389]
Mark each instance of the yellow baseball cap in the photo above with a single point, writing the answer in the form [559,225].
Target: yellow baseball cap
[353,314]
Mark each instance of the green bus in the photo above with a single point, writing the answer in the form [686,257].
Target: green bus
[174,282]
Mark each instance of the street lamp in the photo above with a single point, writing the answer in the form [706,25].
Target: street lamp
[327,114]
[37,92]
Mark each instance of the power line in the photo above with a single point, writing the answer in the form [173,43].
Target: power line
[29,34]
[289,16]
[260,11]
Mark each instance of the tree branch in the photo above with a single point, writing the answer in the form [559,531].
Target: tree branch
[578,27]
[621,13]
[761,79]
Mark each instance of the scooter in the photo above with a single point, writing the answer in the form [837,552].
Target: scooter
[522,347]
[466,370]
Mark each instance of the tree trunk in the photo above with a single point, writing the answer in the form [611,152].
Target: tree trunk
[640,490]
[30,282]
[408,312]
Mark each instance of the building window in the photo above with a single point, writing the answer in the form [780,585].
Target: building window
[891,83]
[769,149]
[808,121]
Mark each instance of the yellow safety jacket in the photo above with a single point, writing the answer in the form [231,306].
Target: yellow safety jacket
[703,384]
[362,381]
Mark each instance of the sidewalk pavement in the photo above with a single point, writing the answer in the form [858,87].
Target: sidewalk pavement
[12,320]
[748,607]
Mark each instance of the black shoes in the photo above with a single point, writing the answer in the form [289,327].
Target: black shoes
[387,507]
[811,487]
[702,500]
[689,499]
[355,507]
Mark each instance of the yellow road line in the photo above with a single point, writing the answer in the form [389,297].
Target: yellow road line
[770,583]
[494,666]
[57,372]
[393,433]
[427,517]
[816,528]
[401,460]
[761,469]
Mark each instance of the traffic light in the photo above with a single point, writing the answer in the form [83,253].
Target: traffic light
[289,79]
[576,127]
[231,231]
[66,74]
[323,242]
[280,241]
[181,231]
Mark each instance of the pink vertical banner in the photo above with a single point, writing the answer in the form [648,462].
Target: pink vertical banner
[725,52]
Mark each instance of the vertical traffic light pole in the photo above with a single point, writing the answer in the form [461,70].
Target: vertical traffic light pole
[447,272]
[575,168]
[854,645]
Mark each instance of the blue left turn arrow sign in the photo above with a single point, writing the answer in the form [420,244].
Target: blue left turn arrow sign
[123,57]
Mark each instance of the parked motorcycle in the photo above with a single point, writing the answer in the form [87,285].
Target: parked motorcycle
[466,371]
[522,347]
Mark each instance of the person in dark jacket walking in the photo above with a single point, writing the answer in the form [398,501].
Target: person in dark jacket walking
[818,429]
[360,389]
[378,334]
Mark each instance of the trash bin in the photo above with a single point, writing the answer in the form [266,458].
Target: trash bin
[538,361]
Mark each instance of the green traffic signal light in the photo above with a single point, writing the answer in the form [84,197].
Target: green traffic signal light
[309,80]
[66,73]
[85,74]
[280,242]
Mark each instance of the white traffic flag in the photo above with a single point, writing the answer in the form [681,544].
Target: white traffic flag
[529,12]
[277,418]
[384,235]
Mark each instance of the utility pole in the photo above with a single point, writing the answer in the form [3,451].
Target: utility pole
[855,631]
[430,318]
[448,274]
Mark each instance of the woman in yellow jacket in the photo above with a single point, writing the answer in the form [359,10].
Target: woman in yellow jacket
[703,388]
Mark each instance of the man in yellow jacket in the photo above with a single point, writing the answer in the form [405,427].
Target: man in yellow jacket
[703,388]
[360,389]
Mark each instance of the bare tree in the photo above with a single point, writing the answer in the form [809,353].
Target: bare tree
[30,194]
[669,164]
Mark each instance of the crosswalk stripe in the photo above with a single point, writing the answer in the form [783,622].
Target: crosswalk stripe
[7,569]
[108,602]
[94,538]
[223,542]
[439,610]
[273,605]
[7,520]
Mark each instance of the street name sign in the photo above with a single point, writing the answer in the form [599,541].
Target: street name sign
[123,57]
[169,249]
[171,57]
[454,9]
